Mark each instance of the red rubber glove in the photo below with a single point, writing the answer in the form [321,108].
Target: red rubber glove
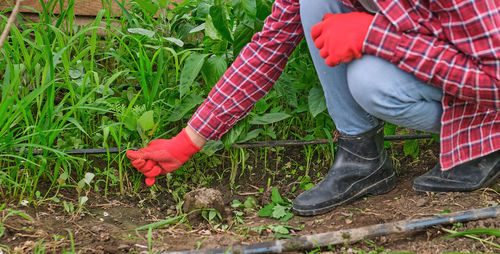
[340,37]
[163,156]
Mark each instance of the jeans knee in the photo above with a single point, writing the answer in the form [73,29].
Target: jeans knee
[316,9]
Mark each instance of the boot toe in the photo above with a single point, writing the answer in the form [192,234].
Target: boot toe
[437,184]
[309,203]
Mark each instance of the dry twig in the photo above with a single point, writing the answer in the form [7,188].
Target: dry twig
[13,15]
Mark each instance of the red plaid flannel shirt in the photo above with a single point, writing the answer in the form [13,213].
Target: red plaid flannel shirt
[454,45]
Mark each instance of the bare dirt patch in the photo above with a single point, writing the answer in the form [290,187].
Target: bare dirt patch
[106,223]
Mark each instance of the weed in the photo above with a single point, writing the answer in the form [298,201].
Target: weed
[474,234]
[278,208]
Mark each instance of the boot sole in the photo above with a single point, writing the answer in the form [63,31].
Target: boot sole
[423,189]
[383,186]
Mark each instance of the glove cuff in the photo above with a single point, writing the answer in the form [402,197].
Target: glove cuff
[187,147]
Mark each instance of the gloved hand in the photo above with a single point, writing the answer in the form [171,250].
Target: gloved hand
[163,156]
[340,37]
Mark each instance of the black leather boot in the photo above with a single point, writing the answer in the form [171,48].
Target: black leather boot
[361,166]
[469,176]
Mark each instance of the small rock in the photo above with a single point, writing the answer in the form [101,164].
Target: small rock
[204,198]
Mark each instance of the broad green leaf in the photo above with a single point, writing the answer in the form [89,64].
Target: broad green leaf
[287,216]
[220,22]
[141,31]
[211,215]
[276,197]
[88,178]
[213,69]
[250,203]
[233,135]
[163,3]
[212,146]
[82,200]
[146,121]
[279,229]
[197,28]
[285,87]
[269,118]
[190,71]
[210,30]
[317,103]
[148,6]
[411,147]
[187,103]
[389,129]
[250,135]
[279,211]
[264,8]
[242,7]
[242,35]
[267,210]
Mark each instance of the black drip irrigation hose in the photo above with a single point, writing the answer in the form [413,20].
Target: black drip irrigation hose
[308,242]
[237,145]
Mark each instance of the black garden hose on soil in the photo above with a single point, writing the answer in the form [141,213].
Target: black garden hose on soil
[237,145]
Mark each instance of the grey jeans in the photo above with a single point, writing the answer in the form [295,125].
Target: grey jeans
[360,92]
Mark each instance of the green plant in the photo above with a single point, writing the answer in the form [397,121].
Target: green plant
[278,208]
[10,212]
[474,234]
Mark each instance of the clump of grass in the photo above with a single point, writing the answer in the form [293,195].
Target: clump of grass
[475,234]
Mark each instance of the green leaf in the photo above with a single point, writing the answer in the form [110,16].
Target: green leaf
[267,210]
[220,22]
[212,146]
[213,69]
[276,197]
[242,7]
[88,178]
[269,118]
[411,147]
[187,103]
[317,103]
[174,41]
[160,223]
[287,216]
[242,35]
[148,33]
[279,229]
[279,211]
[190,71]
[285,87]
[250,203]
[82,200]
[211,215]
[264,8]
[210,30]
[146,121]
[232,135]
[148,6]
[250,135]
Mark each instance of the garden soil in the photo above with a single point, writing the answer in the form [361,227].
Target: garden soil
[106,224]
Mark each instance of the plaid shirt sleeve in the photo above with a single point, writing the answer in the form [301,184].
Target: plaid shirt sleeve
[253,73]
[455,46]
